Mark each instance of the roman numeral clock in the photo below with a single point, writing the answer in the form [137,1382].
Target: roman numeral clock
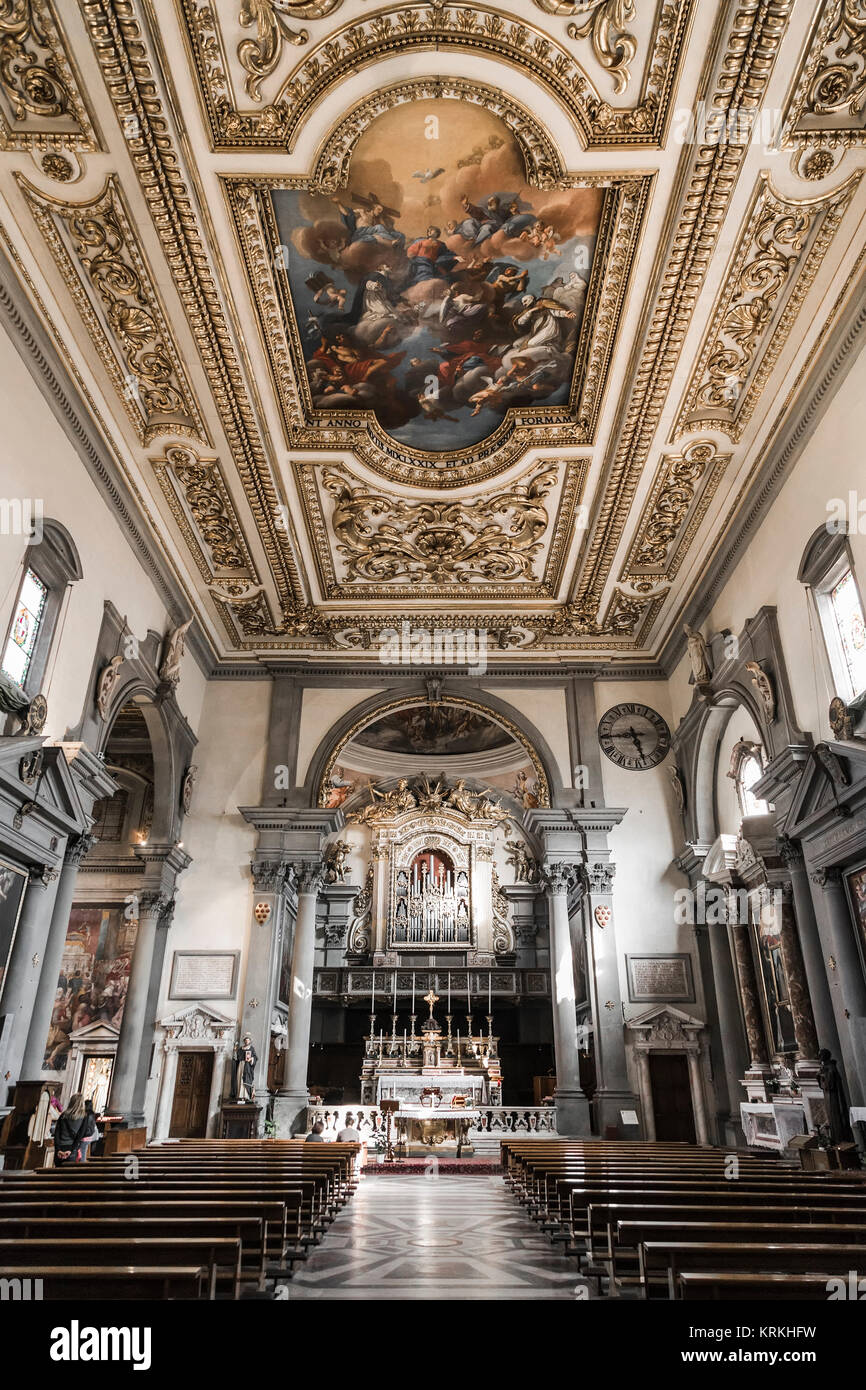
[634,737]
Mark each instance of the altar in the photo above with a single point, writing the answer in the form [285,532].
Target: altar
[423,1129]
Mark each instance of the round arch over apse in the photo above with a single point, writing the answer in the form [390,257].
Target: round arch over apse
[327,754]
[712,730]
[164,825]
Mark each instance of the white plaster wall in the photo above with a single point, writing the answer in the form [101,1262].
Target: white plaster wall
[831,465]
[546,709]
[643,846]
[320,709]
[215,894]
[37,461]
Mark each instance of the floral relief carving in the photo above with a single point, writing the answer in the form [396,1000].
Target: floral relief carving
[96,250]
[605,23]
[259,57]
[840,81]
[200,503]
[775,264]
[662,538]
[37,83]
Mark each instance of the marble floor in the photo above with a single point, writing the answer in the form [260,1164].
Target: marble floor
[435,1237]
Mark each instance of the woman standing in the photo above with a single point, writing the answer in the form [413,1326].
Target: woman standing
[73,1132]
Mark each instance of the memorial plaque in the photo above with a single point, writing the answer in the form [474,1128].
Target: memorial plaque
[204,975]
[656,978]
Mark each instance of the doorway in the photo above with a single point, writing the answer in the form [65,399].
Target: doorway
[672,1097]
[189,1111]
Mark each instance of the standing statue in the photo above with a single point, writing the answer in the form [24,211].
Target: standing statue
[699,655]
[834,1093]
[337,862]
[169,671]
[188,787]
[245,1070]
[678,787]
[108,678]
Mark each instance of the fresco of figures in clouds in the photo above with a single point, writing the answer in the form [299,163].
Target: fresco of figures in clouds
[438,289]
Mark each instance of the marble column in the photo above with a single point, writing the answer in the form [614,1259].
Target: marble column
[795,974]
[749,997]
[572,1107]
[24,972]
[845,976]
[151,907]
[735,1055]
[613,1091]
[43,1005]
[294,1097]
[162,1124]
[810,946]
[271,877]
[697,1087]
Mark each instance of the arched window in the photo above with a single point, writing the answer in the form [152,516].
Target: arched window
[827,570]
[51,564]
[746,769]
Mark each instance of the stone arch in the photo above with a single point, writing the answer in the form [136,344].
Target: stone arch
[327,754]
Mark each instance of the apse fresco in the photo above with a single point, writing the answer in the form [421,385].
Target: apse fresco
[438,288]
[432,730]
[94,976]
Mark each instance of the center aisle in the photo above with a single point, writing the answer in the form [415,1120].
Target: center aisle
[434,1238]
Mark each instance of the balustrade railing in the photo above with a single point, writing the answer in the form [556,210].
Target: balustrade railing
[495,1121]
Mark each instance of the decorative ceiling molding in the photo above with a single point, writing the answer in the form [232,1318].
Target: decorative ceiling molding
[202,507]
[42,106]
[828,105]
[742,74]
[605,24]
[770,273]
[99,256]
[505,543]
[682,490]
[413,28]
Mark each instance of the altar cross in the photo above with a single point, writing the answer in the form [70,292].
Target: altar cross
[430,999]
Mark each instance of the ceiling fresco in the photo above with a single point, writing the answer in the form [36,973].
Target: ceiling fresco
[479,317]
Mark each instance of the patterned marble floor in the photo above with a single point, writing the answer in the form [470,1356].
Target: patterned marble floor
[435,1237]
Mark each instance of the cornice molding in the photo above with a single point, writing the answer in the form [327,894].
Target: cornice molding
[36,350]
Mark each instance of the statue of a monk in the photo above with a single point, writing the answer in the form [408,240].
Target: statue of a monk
[245,1069]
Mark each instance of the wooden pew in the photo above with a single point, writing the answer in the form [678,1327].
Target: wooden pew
[753,1287]
[750,1257]
[138,1282]
[220,1256]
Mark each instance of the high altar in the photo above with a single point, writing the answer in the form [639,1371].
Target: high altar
[433,887]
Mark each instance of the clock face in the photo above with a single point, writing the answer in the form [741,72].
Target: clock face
[634,737]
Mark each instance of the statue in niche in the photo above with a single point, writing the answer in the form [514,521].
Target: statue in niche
[108,678]
[169,671]
[245,1070]
[699,656]
[189,781]
[679,791]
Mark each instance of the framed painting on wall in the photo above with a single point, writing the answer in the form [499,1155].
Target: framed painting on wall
[855,883]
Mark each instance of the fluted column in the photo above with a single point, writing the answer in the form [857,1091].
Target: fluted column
[735,1054]
[697,1088]
[810,946]
[52,959]
[795,974]
[646,1092]
[845,977]
[152,906]
[23,974]
[294,1096]
[162,1123]
[572,1110]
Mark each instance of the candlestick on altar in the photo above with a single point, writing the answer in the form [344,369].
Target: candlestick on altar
[371,1046]
[449,991]
[490,1027]
[449,1050]
[468,993]
[458,1047]
[412,1018]
[469,1029]
[393,1047]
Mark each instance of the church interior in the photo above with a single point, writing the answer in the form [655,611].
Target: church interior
[433,861]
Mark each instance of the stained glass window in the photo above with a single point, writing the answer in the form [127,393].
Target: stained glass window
[851,628]
[21,641]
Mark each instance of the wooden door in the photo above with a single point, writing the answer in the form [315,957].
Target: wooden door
[672,1097]
[191,1095]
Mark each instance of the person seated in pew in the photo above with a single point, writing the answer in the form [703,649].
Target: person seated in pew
[316,1134]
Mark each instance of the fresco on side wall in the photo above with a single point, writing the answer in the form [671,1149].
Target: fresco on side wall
[94,976]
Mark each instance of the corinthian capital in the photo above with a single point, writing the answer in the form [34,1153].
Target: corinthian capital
[309,876]
[824,878]
[560,877]
[599,877]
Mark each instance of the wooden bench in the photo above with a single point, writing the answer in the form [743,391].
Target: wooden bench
[138,1282]
[220,1255]
[752,1288]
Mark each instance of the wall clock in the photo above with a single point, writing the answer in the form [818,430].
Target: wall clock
[634,737]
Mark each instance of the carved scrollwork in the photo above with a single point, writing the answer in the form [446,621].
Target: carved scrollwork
[28,68]
[839,84]
[385,538]
[361,928]
[108,264]
[194,488]
[503,936]
[662,539]
[259,57]
[605,23]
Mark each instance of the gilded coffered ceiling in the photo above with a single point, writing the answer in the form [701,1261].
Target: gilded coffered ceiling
[485,316]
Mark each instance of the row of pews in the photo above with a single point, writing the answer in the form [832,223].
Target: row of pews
[673,1221]
[200,1219]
